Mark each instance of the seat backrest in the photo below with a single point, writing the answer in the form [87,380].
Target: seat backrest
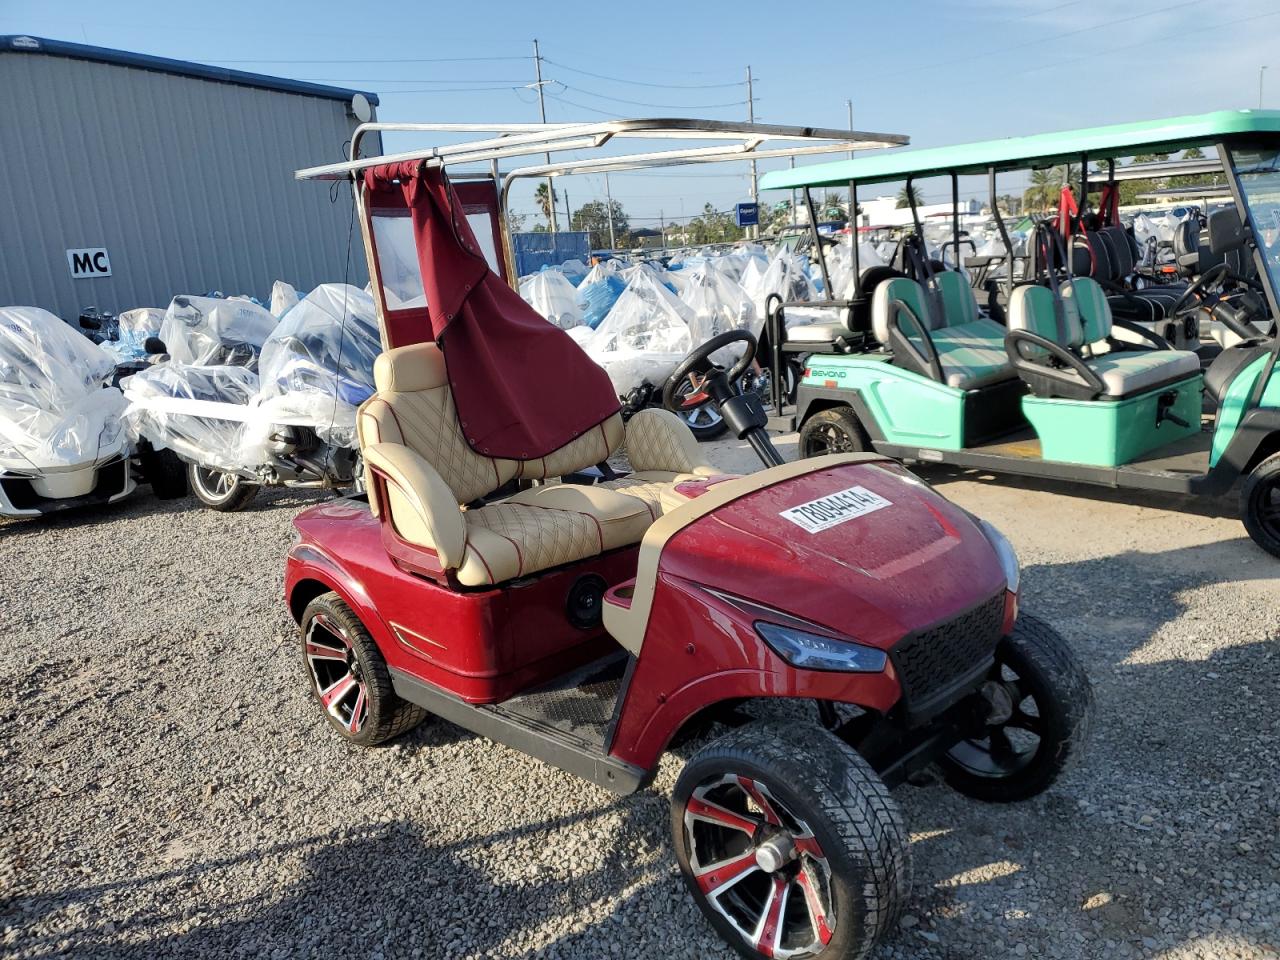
[901,290]
[1031,308]
[1120,248]
[953,293]
[414,406]
[1091,306]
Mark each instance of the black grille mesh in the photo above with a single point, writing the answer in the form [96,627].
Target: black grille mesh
[929,663]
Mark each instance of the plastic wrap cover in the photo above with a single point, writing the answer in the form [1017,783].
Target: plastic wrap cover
[135,327]
[283,298]
[317,366]
[54,411]
[575,271]
[207,330]
[643,337]
[786,276]
[718,304]
[224,396]
[599,291]
[552,295]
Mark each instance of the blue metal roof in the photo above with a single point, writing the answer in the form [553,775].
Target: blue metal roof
[183,68]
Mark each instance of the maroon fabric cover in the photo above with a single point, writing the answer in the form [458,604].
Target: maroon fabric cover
[522,386]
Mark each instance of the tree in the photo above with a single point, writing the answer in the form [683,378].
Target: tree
[1046,187]
[543,196]
[905,199]
[516,221]
[593,217]
[712,226]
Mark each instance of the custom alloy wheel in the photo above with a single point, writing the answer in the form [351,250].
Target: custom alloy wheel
[836,430]
[336,673]
[696,408]
[790,844]
[349,677]
[218,490]
[760,867]
[1038,704]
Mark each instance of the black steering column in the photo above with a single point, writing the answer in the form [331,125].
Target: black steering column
[743,413]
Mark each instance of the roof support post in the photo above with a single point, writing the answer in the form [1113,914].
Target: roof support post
[1004,231]
[817,242]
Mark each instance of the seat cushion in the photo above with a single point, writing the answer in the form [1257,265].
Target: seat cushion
[654,488]
[817,332]
[1127,373]
[545,527]
[973,355]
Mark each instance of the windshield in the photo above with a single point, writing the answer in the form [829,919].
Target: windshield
[1259,172]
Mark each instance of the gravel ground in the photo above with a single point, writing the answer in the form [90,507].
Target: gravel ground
[168,789]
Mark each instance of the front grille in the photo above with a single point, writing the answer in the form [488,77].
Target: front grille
[933,664]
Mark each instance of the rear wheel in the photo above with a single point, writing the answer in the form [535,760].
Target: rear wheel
[349,677]
[1041,703]
[1260,504]
[836,430]
[790,843]
[224,492]
[701,416]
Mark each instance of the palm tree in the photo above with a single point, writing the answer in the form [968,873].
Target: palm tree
[1046,185]
[544,197]
[906,199]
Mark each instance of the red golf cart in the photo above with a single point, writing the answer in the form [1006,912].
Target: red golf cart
[498,574]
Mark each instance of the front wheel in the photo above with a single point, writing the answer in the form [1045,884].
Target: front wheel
[224,492]
[790,843]
[836,430]
[1260,505]
[698,411]
[1040,704]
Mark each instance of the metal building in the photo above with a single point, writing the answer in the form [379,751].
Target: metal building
[129,179]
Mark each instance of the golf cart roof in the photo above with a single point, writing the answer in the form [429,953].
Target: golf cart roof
[721,141]
[1039,150]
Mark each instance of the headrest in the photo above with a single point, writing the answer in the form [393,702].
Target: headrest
[419,366]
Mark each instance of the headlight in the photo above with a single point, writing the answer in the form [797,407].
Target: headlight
[1004,550]
[813,652]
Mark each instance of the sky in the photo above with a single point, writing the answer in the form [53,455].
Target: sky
[939,72]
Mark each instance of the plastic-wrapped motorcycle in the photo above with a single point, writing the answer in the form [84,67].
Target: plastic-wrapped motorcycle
[246,402]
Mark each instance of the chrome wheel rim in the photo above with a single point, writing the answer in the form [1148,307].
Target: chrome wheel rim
[215,484]
[704,415]
[759,866]
[336,674]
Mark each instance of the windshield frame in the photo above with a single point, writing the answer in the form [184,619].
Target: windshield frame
[1268,276]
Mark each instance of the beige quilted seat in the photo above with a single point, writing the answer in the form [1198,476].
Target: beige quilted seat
[417,457]
[662,452]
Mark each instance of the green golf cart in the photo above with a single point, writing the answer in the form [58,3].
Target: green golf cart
[1062,374]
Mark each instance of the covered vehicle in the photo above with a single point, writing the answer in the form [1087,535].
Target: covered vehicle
[62,443]
[281,412]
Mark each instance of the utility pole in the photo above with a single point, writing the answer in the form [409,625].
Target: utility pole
[608,202]
[751,118]
[1261,71]
[849,104]
[662,231]
[542,109]
[568,216]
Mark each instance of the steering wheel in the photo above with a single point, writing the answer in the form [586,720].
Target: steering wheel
[699,361]
[1218,307]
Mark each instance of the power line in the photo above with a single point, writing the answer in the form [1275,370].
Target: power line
[380,60]
[645,83]
[661,106]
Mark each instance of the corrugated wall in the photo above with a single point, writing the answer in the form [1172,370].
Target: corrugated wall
[188,183]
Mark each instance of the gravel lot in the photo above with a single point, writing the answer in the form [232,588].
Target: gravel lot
[168,789]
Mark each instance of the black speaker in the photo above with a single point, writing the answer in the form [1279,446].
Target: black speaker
[584,604]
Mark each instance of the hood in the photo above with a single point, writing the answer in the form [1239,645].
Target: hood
[866,550]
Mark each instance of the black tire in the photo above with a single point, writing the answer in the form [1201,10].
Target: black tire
[834,430]
[164,470]
[704,421]
[224,492]
[818,783]
[370,712]
[1260,504]
[1052,707]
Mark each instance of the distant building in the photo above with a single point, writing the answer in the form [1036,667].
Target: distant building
[129,179]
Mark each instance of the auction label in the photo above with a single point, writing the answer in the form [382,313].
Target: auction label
[825,512]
